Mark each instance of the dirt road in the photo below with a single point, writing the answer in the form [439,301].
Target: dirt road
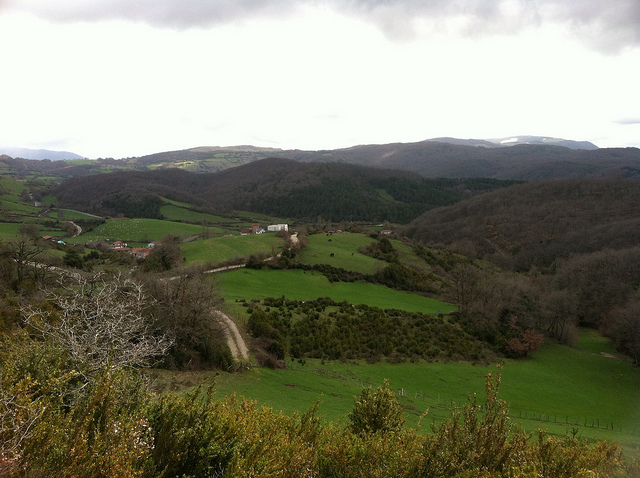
[235,341]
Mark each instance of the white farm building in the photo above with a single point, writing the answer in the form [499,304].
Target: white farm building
[278,227]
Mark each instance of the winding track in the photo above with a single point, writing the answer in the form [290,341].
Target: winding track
[235,341]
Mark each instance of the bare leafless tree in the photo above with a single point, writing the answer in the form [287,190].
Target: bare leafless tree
[101,323]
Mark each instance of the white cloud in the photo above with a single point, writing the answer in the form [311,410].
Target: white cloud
[327,75]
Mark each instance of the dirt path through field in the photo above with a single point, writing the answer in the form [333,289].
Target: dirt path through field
[235,341]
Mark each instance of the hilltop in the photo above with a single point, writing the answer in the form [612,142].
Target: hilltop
[518,158]
[37,154]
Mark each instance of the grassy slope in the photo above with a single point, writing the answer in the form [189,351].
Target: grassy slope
[219,249]
[342,246]
[556,381]
[298,285]
[137,230]
[72,215]
[9,230]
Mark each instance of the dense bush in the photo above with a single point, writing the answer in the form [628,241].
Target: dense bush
[114,427]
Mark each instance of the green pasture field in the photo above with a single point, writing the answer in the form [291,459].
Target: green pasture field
[13,186]
[49,199]
[344,248]
[9,230]
[307,285]
[263,219]
[177,203]
[18,207]
[221,249]
[557,388]
[385,195]
[137,230]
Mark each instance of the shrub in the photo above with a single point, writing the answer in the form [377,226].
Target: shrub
[377,411]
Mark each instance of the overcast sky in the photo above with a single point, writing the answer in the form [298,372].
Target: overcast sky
[119,78]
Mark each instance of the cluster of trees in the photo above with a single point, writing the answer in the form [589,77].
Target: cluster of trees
[341,331]
[565,252]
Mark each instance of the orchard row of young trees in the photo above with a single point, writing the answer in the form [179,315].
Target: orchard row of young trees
[328,330]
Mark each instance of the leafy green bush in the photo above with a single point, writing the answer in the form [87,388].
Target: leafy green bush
[375,412]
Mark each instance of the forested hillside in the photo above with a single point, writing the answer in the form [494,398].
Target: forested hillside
[527,162]
[569,253]
[278,187]
[538,222]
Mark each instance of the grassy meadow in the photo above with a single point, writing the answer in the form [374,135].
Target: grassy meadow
[557,388]
[220,249]
[344,248]
[9,230]
[307,285]
[137,230]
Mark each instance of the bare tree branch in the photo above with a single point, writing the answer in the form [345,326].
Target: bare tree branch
[101,324]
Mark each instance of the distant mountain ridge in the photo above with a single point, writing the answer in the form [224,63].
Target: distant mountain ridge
[517,158]
[38,154]
[514,140]
[566,143]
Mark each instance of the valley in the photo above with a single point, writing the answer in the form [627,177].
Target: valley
[382,276]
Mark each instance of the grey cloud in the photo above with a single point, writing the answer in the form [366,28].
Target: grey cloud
[607,25]
[628,121]
[178,14]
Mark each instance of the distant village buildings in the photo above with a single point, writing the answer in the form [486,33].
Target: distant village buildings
[256,229]
[137,252]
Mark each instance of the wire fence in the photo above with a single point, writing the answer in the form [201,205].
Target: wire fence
[442,404]
[630,428]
